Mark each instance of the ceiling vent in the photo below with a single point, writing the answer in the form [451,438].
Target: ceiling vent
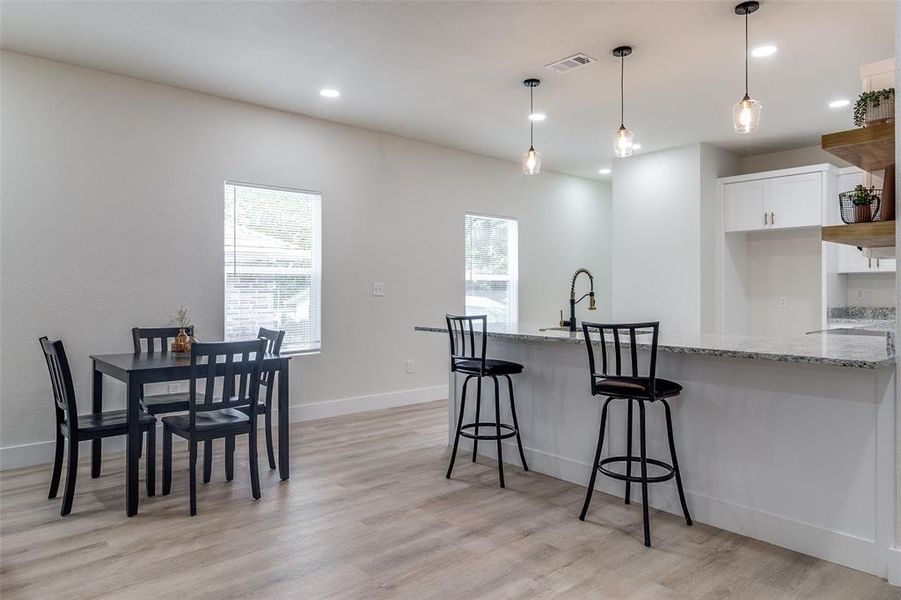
[570,62]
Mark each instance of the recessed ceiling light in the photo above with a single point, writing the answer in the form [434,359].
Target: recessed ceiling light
[537,117]
[636,146]
[761,51]
[329,93]
[839,103]
[604,171]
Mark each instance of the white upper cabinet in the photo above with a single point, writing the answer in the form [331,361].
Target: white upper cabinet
[745,205]
[797,201]
[786,199]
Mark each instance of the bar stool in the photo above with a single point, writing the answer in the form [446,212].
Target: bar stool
[476,366]
[640,390]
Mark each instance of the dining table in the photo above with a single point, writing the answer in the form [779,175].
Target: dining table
[135,370]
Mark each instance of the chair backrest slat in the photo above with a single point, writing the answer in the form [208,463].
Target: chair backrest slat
[208,358]
[151,334]
[615,330]
[460,329]
[64,401]
[273,339]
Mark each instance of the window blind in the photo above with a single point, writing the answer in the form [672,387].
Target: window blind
[492,268]
[273,241]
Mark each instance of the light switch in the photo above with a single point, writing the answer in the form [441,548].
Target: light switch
[783,302]
[378,289]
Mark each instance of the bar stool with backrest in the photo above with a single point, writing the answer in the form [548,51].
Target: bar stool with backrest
[632,388]
[211,418]
[466,359]
[74,427]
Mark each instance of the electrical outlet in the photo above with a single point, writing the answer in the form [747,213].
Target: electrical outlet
[783,302]
[378,288]
[409,366]
[860,294]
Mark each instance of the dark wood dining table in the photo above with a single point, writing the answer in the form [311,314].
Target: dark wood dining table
[137,369]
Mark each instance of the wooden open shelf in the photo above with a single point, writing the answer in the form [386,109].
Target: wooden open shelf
[870,148]
[880,234]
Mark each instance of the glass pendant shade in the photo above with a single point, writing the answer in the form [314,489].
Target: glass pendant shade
[622,142]
[531,162]
[746,115]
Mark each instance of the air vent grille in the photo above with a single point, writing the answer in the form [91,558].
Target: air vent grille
[570,62]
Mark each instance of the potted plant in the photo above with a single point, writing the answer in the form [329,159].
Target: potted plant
[865,202]
[182,342]
[876,106]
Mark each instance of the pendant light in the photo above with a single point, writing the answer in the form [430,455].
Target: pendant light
[531,160]
[746,114]
[623,138]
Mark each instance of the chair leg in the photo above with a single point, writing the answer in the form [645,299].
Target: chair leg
[229,457]
[57,465]
[207,461]
[629,453]
[151,461]
[497,426]
[71,474]
[475,442]
[192,475]
[644,475]
[270,449]
[254,467]
[453,455]
[522,455]
[672,452]
[597,460]
[167,461]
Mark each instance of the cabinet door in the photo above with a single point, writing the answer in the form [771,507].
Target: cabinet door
[884,265]
[797,201]
[851,260]
[744,205]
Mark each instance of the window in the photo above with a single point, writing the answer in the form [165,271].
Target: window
[273,264]
[492,268]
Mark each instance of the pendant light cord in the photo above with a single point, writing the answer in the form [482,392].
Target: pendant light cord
[531,122]
[746,53]
[622,90]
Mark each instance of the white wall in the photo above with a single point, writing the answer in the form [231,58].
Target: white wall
[112,216]
[664,215]
[787,159]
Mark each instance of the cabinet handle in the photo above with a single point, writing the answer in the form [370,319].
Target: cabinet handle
[765,219]
[772,218]
[869,263]
[877,263]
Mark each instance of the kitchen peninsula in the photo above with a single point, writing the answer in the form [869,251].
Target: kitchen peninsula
[787,440]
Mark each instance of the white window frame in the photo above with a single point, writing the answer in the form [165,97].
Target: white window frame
[512,264]
[315,282]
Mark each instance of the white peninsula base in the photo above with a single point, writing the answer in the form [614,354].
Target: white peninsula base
[797,454]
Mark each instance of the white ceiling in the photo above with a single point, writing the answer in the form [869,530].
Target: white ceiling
[451,72]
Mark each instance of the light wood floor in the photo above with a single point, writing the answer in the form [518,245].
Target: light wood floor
[369,514]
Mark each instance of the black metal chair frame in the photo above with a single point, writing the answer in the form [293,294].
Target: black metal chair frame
[69,429]
[244,396]
[600,465]
[460,328]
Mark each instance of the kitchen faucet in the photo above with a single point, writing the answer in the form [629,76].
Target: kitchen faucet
[572,299]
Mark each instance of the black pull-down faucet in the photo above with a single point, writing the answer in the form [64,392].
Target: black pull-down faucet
[572,299]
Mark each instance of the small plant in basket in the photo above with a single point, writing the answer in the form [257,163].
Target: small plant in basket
[865,202]
[876,106]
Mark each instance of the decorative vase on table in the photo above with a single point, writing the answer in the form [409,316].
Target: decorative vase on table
[180,340]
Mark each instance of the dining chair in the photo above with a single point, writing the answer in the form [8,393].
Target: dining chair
[159,403]
[210,418]
[74,428]
[273,339]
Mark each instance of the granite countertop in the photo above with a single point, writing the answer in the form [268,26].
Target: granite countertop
[859,351]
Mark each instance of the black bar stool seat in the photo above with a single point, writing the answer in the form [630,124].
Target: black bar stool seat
[493,366]
[633,387]
[474,364]
[609,381]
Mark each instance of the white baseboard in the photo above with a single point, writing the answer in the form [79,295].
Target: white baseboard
[835,546]
[39,453]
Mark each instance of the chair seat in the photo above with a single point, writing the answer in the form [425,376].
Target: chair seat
[208,420]
[168,403]
[493,366]
[111,421]
[636,387]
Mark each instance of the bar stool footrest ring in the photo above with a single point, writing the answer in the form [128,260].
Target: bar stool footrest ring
[509,431]
[670,472]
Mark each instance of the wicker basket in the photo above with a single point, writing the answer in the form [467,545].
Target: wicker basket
[859,213]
